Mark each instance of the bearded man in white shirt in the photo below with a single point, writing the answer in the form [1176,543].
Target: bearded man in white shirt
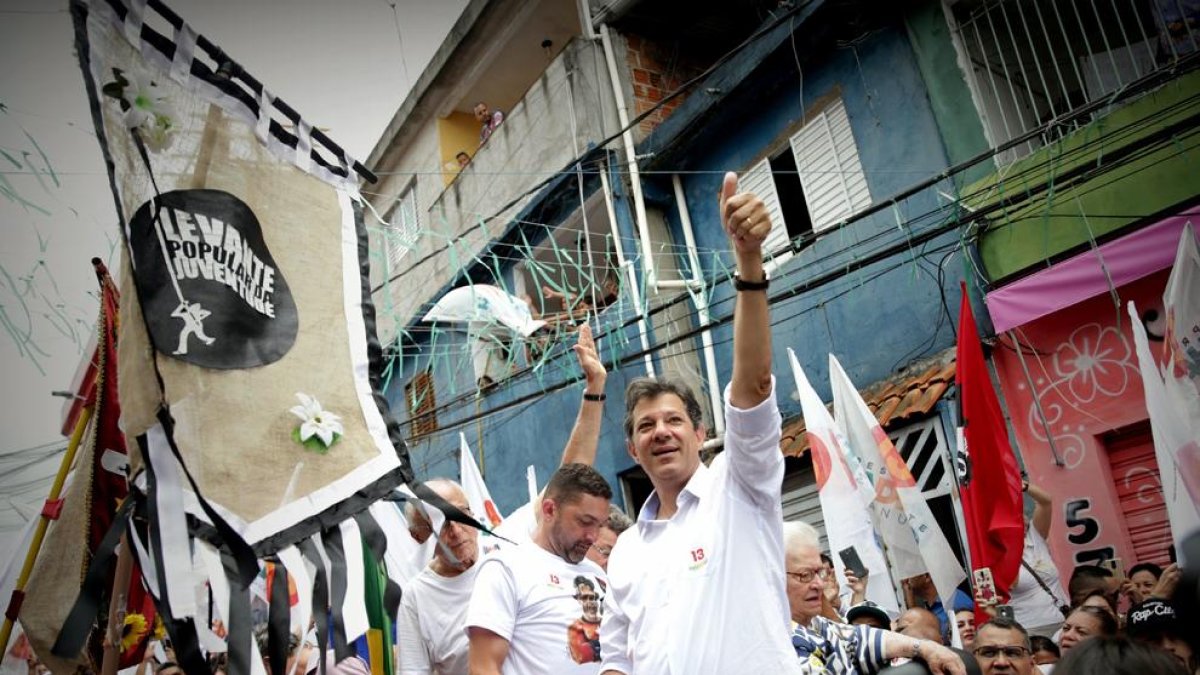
[431,631]
[697,585]
[525,614]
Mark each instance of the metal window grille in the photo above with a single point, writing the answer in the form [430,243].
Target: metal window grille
[923,447]
[1030,61]
[422,404]
[403,227]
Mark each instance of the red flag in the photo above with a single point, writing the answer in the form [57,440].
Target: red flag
[992,503]
[109,486]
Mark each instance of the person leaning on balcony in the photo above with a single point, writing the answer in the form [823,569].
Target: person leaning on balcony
[490,119]
[697,584]
[431,627]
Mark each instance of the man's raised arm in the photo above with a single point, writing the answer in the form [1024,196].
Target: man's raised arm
[747,223]
[585,436]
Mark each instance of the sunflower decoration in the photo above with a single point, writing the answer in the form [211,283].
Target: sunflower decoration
[134,631]
[160,631]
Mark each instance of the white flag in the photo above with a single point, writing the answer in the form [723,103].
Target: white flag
[1171,395]
[847,520]
[478,497]
[1182,303]
[915,542]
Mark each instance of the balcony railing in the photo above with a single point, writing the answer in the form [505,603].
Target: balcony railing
[1031,61]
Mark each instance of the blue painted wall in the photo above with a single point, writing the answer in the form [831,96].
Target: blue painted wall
[874,320]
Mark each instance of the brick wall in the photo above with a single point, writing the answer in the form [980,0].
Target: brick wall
[657,68]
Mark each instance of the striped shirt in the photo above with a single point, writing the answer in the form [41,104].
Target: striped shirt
[825,646]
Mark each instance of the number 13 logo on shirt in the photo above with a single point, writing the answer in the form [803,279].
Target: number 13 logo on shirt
[698,559]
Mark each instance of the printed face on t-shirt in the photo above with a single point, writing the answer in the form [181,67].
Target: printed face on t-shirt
[664,442]
[589,600]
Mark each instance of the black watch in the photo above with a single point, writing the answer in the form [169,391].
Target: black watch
[741,284]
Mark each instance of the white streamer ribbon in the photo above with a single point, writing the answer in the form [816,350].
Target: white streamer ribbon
[185,50]
[133,22]
[172,525]
[354,609]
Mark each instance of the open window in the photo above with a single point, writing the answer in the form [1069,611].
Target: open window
[813,183]
[574,270]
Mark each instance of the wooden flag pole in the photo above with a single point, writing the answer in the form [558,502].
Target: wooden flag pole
[50,511]
[116,609]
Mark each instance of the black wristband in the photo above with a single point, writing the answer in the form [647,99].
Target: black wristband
[741,284]
[594,397]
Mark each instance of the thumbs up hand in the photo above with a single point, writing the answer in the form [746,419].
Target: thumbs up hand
[744,217]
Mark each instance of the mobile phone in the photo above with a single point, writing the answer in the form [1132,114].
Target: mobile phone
[1005,611]
[985,585]
[1116,566]
[851,560]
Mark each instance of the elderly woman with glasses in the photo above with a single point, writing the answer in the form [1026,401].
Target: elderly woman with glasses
[826,646]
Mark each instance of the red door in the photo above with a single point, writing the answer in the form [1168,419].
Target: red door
[1139,490]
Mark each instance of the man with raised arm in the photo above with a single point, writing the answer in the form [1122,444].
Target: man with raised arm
[535,608]
[431,626]
[697,584]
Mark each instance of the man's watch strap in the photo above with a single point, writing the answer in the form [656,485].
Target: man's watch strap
[740,284]
[594,397]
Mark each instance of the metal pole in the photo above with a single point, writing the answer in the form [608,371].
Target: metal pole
[18,594]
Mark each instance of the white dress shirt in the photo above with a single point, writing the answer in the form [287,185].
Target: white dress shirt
[705,591]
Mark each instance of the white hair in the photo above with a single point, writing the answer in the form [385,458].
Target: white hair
[798,535]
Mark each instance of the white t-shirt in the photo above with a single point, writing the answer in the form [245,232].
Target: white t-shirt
[430,628]
[429,632]
[527,595]
[704,591]
[1032,605]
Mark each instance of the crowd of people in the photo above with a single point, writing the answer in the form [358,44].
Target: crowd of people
[710,579]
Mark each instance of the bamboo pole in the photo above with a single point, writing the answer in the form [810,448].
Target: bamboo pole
[18,594]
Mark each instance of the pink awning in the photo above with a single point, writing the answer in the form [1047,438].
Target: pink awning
[1127,259]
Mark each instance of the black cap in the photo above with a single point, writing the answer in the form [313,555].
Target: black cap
[1151,619]
[868,608]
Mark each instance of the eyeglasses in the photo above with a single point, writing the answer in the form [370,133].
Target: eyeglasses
[587,597]
[805,576]
[1011,653]
[602,550]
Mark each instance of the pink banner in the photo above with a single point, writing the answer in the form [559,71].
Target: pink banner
[1127,259]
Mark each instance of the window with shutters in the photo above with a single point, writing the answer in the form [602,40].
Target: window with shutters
[813,183]
[422,404]
[403,227]
[827,163]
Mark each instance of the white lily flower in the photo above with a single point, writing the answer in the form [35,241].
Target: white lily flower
[146,101]
[316,421]
[149,112]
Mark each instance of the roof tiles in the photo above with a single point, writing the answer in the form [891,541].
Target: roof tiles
[894,401]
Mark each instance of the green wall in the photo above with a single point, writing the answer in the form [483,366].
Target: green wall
[958,122]
[1151,180]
